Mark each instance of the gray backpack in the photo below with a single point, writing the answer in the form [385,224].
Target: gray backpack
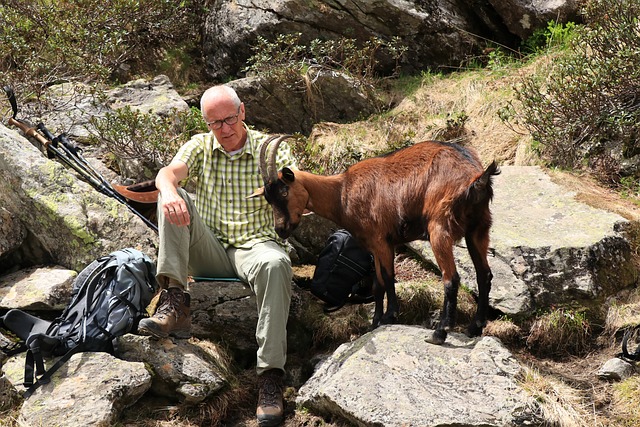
[108,300]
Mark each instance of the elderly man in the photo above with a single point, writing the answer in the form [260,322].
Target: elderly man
[223,234]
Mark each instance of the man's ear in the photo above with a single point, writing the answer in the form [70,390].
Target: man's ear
[259,192]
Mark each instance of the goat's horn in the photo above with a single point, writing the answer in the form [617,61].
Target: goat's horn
[262,165]
[273,152]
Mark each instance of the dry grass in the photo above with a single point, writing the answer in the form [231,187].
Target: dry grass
[559,404]
[625,407]
[506,331]
[426,113]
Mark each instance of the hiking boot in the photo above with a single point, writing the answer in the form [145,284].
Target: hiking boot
[270,410]
[172,317]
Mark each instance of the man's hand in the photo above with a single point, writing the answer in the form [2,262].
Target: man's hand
[174,208]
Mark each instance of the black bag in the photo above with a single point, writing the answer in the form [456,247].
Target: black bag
[343,272]
[625,355]
[109,298]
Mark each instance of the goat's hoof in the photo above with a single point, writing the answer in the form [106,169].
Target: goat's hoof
[474,330]
[389,319]
[438,337]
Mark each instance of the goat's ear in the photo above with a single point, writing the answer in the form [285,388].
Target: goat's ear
[287,175]
[259,192]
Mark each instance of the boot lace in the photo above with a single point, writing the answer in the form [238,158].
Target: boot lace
[170,304]
[270,392]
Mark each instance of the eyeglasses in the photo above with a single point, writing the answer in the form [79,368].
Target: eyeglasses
[231,120]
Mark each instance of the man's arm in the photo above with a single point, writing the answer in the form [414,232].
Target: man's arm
[173,206]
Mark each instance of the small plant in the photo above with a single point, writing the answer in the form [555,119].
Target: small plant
[454,127]
[556,35]
[147,137]
[625,402]
[559,333]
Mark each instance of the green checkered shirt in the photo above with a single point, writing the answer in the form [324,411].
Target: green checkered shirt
[223,182]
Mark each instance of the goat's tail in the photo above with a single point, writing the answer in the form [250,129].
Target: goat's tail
[481,189]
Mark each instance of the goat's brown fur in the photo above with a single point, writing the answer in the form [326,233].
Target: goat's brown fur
[429,191]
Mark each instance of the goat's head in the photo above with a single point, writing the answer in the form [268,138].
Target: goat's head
[287,197]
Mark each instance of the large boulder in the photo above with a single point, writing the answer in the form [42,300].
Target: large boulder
[393,377]
[329,96]
[437,34]
[69,221]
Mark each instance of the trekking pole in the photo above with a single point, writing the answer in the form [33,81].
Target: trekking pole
[50,147]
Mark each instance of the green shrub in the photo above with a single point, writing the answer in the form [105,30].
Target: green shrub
[584,113]
[287,60]
[49,42]
[149,138]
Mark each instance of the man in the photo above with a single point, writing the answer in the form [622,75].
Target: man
[224,234]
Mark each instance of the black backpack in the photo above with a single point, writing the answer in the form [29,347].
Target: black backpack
[109,298]
[625,355]
[343,272]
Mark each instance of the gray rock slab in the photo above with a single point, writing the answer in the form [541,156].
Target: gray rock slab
[393,377]
[37,288]
[546,246]
[91,389]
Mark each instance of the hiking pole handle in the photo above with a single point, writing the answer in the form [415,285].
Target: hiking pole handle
[33,133]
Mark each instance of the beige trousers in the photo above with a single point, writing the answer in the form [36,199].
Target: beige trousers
[266,268]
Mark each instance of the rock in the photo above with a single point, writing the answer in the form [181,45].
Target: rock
[187,370]
[616,369]
[331,96]
[437,34]
[73,105]
[523,17]
[71,222]
[12,232]
[9,396]
[148,96]
[226,312]
[465,382]
[91,389]
[37,288]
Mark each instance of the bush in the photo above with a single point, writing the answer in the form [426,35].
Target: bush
[287,60]
[88,40]
[150,139]
[585,112]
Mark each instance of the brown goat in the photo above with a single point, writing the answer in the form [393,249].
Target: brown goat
[433,191]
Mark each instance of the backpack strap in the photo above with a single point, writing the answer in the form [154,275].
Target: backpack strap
[45,378]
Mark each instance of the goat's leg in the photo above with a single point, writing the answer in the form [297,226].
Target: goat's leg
[478,245]
[378,297]
[388,275]
[442,247]
[384,285]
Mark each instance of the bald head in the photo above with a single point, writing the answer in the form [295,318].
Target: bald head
[218,93]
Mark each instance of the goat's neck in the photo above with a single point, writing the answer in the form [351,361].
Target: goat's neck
[324,194]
